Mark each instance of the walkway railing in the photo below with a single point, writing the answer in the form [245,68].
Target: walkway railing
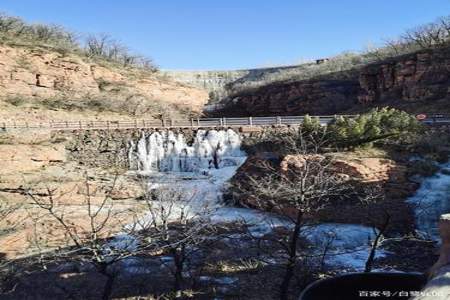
[183,123]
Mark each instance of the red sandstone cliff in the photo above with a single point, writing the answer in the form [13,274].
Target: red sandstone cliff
[33,79]
[415,82]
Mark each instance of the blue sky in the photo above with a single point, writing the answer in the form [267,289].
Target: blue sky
[233,34]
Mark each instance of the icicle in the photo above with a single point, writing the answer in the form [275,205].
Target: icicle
[168,152]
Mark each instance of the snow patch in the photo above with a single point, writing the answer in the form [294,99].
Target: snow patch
[348,244]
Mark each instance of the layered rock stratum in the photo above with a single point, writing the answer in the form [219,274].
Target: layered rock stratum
[34,79]
[417,82]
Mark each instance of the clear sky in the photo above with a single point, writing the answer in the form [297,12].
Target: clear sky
[231,34]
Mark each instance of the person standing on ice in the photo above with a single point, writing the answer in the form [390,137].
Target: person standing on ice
[215,156]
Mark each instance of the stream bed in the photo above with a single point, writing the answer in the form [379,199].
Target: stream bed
[202,169]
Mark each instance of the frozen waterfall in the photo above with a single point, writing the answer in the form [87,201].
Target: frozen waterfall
[168,151]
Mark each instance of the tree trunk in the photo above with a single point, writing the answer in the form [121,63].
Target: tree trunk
[373,249]
[107,290]
[290,267]
[178,256]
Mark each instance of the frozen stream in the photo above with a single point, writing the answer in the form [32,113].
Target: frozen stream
[202,168]
[431,200]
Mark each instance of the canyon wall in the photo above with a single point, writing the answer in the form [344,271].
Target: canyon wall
[214,82]
[418,82]
[221,84]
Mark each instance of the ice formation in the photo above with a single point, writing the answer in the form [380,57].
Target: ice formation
[430,201]
[168,151]
[201,169]
[348,245]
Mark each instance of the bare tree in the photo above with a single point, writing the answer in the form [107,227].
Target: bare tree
[92,242]
[379,234]
[172,222]
[429,35]
[302,189]
[178,221]
[7,270]
[97,45]
[306,189]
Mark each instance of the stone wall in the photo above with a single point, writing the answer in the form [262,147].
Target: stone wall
[103,148]
[98,148]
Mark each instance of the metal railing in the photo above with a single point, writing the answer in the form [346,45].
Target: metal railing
[184,123]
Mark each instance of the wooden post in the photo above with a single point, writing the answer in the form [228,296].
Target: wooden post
[250,121]
[164,123]
[192,122]
[224,122]
[221,122]
[278,120]
[107,125]
[198,122]
[79,122]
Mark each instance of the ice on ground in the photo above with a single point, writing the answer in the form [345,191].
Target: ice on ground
[220,280]
[258,223]
[123,242]
[432,200]
[201,171]
[348,245]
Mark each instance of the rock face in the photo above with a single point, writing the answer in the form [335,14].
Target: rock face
[313,97]
[36,73]
[221,84]
[367,171]
[214,82]
[422,78]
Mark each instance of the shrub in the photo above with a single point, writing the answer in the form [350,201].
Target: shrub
[376,126]
[16,101]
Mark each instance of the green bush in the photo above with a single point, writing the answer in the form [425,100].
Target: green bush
[16,101]
[379,125]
